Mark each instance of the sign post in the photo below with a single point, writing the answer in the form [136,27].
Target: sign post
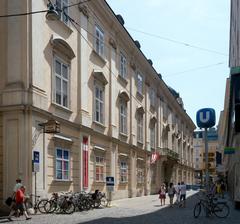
[110,187]
[36,161]
[206,119]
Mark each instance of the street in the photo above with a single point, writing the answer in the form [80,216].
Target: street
[145,209]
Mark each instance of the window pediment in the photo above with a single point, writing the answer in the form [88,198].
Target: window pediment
[100,77]
[124,95]
[62,46]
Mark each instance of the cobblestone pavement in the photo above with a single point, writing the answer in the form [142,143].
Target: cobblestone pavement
[139,210]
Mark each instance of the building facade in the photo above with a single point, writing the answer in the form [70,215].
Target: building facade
[91,77]
[231,113]
[199,151]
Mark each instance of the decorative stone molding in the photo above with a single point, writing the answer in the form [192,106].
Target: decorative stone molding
[112,42]
[84,9]
[133,65]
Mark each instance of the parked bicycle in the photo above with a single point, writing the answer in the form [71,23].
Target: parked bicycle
[63,203]
[38,205]
[211,206]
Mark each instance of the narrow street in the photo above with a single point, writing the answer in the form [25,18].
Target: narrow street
[136,210]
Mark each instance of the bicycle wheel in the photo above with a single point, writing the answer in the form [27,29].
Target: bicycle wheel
[197,210]
[51,206]
[69,208]
[42,204]
[221,210]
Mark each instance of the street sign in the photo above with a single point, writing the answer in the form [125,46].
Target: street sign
[206,118]
[36,161]
[110,181]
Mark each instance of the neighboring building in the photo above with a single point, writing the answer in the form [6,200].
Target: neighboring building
[114,109]
[199,154]
[230,134]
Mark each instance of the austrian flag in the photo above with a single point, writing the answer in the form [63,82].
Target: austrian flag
[155,156]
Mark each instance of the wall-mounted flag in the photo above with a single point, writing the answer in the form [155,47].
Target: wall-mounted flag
[155,156]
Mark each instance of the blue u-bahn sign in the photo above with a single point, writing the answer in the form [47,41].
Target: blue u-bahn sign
[206,118]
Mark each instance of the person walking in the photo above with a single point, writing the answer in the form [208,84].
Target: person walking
[162,194]
[16,187]
[19,204]
[183,190]
[171,192]
[223,188]
[177,189]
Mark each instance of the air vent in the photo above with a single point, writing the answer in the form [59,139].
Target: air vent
[137,44]
[120,19]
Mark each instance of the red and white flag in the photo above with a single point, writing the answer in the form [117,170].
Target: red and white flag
[155,156]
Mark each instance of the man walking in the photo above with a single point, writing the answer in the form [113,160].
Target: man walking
[183,189]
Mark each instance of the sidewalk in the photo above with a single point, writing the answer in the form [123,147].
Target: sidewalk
[151,202]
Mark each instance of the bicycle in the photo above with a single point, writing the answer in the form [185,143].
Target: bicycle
[63,203]
[219,209]
[38,205]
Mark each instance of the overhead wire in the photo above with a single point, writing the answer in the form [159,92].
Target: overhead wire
[194,69]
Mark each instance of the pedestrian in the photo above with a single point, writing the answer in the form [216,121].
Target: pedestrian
[162,194]
[17,186]
[171,192]
[223,188]
[19,197]
[177,189]
[218,189]
[183,189]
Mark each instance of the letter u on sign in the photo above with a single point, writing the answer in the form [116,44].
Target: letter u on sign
[206,118]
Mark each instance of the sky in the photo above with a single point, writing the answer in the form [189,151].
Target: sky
[188,42]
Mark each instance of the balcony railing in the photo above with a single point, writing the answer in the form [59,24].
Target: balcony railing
[169,153]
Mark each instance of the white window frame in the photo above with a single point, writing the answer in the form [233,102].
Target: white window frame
[99,103]
[62,160]
[99,40]
[139,83]
[123,172]
[60,4]
[100,163]
[140,127]
[62,80]
[123,117]
[153,135]
[123,66]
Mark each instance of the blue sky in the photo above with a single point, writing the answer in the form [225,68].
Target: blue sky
[200,23]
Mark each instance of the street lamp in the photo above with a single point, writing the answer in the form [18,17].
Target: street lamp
[53,13]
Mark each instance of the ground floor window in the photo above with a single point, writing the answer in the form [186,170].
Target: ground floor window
[123,171]
[99,168]
[140,175]
[62,164]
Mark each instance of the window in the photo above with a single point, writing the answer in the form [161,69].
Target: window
[139,83]
[61,71]
[61,5]
[123,171]
[140,128]
[99,41]
[99,104]
[140,175]
[99,169]
[153,135]
[123,66]
[123,117]
[153,175]
[62,164]
[152,97]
